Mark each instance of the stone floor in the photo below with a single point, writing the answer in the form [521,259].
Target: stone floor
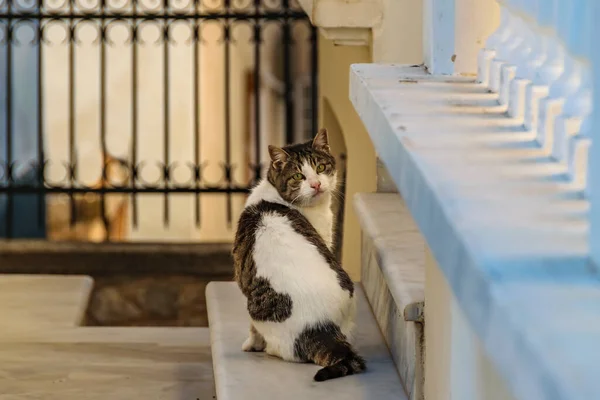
[115,368]
[46,354]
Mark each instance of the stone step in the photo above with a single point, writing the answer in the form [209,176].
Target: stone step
[240,375]
[393,275]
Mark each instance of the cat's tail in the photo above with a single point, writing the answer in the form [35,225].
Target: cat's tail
[340,361]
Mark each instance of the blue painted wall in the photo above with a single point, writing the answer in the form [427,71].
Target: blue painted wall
[594,166]
[23,120]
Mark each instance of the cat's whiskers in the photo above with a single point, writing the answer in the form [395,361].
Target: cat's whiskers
[337,193]
[295,198]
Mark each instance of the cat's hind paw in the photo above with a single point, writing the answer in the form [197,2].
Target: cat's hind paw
[252,345]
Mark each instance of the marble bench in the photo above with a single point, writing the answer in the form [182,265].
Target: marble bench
[240,375]
[393,276]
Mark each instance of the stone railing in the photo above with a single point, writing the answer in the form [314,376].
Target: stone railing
[543,63]
[538,61]
[499,174]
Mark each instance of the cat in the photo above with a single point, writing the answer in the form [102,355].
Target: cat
[300,300]
[88,223]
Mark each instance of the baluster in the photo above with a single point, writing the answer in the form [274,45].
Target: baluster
[551,68]
[571,141]
[569,80]
[511,39]
[578,157]
[494,41]
[519,49]
[530,56]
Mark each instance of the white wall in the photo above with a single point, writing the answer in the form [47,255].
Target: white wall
[456,365]
[398,39]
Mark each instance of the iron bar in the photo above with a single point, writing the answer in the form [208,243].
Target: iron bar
[40,132]
[257,133]
[166,115]
[314,78]
[197,110]
[9,115]
[228,171]
[287,78]
[103,66]
[134,114]
[72,154]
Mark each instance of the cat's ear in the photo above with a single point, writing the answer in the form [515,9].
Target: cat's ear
[321,141]
[278,156]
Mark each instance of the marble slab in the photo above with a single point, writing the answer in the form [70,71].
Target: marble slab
[399,247]
[405,339]
[393,274]
[240,375]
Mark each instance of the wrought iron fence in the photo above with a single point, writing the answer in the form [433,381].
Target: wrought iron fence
[62,60]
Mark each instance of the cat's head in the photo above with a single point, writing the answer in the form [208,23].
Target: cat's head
[304,173]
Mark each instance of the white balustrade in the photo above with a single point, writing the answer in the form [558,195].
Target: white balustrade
[538,61]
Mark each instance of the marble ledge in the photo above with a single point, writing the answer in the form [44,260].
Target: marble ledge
[393,277]
[404,338]
[509,236]
[398,246]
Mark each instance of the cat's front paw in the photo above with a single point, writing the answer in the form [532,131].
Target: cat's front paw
[251,345]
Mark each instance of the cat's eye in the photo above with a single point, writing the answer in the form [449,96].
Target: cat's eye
[298,177]
[320,168]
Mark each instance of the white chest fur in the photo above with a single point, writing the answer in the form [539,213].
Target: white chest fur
[320,216]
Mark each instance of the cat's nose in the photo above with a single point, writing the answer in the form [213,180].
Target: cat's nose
[315,185]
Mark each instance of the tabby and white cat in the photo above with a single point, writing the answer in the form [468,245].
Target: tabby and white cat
[299,298]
